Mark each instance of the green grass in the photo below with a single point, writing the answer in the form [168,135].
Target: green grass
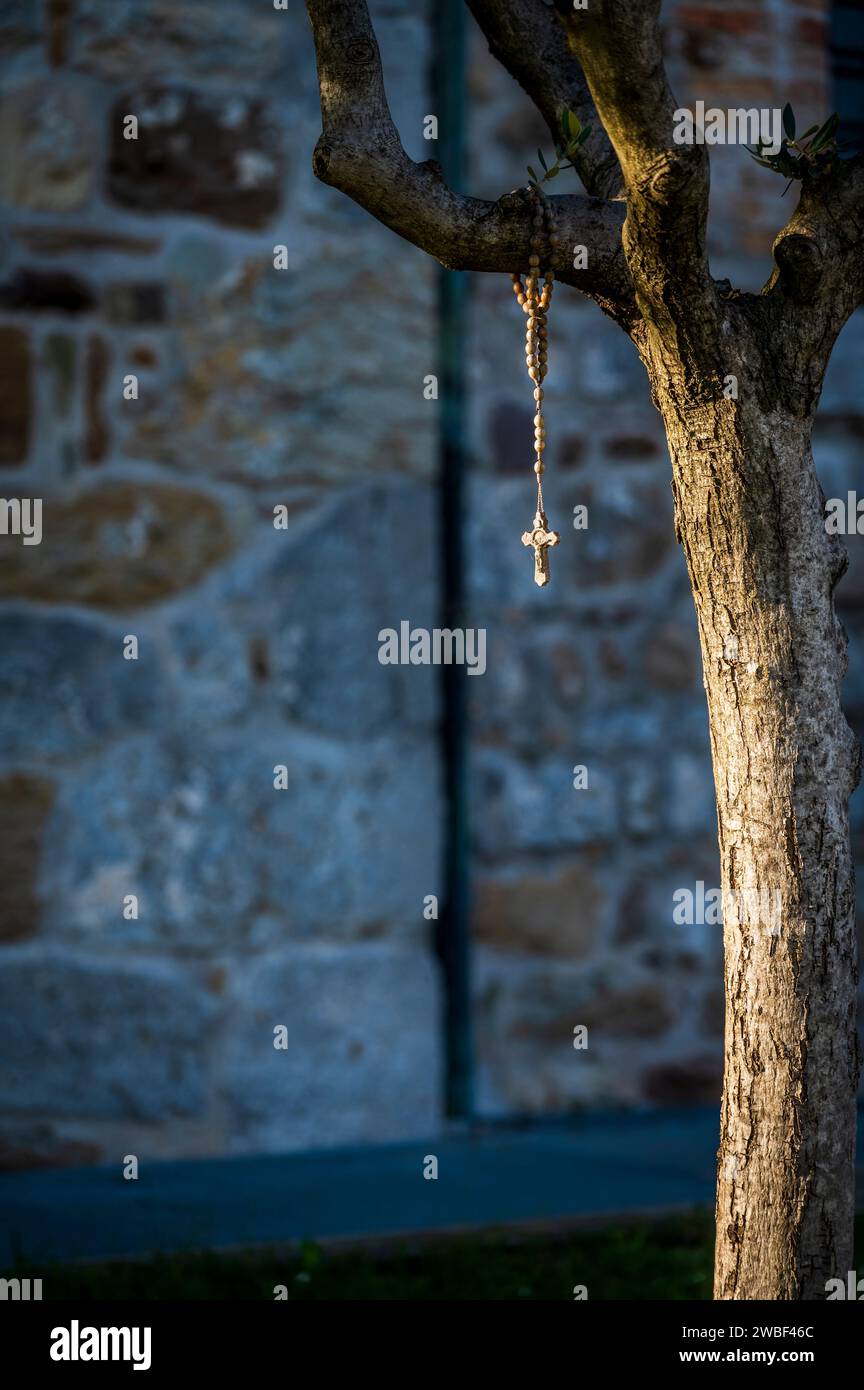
[664,1260]
[668,1260]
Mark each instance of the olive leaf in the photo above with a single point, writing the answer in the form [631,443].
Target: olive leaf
[574,135]
[825,134]
[572,124]
[794,166]
[789,121]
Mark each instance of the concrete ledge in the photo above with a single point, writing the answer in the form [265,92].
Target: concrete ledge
[532,1176]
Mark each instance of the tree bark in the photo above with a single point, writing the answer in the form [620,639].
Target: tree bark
[749,514]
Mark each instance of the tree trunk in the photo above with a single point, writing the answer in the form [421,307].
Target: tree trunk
[749,513]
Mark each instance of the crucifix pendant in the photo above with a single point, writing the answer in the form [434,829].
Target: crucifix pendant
[541,538]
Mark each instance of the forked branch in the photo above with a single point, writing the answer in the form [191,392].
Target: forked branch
[618,44]
[526,38]
[361,154]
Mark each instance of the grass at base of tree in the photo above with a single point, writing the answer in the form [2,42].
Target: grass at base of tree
[668,1259]
[663,1260]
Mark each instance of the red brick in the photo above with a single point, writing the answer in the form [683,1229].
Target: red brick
[812,31]
[726,20]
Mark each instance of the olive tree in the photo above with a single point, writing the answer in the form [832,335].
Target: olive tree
[750,516]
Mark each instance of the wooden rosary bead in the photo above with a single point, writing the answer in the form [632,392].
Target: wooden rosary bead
[534,301]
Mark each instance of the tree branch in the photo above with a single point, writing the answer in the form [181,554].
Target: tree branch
[818,253]
[360,153]
[818,281]
[526,38]
[618,43]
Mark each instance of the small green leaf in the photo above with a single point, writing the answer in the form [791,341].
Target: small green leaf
[807,132]
[825,134]
[542,160]
[533,174]
[583,135]
[789,121]
[573,124]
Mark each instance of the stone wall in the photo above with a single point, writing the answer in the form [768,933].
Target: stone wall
[302,389]
[257,647]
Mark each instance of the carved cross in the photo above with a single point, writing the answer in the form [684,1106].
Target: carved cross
[541,538]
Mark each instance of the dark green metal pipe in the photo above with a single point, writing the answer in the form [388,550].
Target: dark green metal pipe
[454,924]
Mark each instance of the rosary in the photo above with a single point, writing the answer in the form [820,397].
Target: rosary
[535,303]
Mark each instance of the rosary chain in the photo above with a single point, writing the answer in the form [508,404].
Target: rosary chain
[535,304]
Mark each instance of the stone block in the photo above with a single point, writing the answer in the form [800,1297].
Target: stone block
[250,387]
[15,395]
[695,1080]
[65,687]
[222,40]
[25,804]
[200,152]
[526,1013]
[135,303]
[523,807]
[190,822]
[362,564]
[46,291]
[670,656]
[538,680]
[556,913]
[363,1055]
[119,547]
[692,802]
[48,137]
[101,1039]
[96,432]
[645,920]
